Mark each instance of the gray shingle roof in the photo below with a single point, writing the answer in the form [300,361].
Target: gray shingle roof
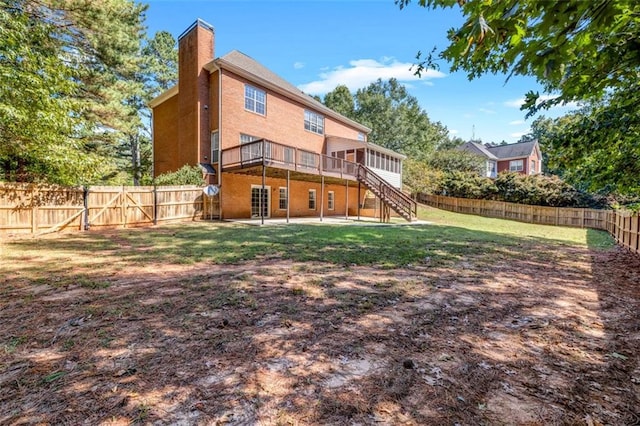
[478,149]
[249,65]
[514,150]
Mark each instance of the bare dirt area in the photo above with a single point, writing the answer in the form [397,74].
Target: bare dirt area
[524,341]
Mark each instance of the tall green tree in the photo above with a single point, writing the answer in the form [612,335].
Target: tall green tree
[578,49]
[341,100]
[158,71]
[396,120]
[595,148]
[66,68]
[583,51]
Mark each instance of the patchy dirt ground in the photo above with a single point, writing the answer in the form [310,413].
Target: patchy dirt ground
[280,342]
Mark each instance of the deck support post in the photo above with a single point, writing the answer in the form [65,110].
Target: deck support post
[262,200]
[359,200]
[288,179]
[321,197]
[346,202]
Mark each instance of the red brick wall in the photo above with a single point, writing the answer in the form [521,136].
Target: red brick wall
[165,137]
[503,165]
[282,123]
[195,50]
[236,197]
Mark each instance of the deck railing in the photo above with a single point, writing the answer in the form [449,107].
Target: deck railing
[274,154]
[400,202]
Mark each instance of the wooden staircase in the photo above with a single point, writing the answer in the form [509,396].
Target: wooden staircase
[391,197]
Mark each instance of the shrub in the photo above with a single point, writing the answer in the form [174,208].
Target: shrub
[516,188]
[186,175]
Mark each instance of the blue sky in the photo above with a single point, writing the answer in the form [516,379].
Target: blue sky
[319,44]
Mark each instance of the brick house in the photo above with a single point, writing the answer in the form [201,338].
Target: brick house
[523,157]
[270,149]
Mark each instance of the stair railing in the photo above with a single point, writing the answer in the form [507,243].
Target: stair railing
[393,197]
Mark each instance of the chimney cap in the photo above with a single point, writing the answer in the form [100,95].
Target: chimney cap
[198,22]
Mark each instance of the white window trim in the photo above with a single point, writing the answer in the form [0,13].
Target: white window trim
[280,198]
[215,147]
[255,100]
[331,200]
[268,192]
[315,199]
[315,120]
[516,165]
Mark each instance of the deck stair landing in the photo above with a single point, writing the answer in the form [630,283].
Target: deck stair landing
[390,196]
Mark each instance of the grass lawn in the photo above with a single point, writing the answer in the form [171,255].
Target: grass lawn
[467,320]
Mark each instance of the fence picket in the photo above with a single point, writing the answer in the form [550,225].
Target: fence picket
[624,227]
[29,208]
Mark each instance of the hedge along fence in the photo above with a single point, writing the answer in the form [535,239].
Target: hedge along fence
[50,208]
[623,225]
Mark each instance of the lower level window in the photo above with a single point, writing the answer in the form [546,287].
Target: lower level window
[330,200]
[312,199]
[282,205]
[516,166]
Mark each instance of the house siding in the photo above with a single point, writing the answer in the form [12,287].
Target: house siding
[236,197]
[166,157]
[503,165]
[392,178]
[207,101]
[195,50]
[282,123]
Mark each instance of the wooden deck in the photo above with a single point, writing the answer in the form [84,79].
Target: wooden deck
[280,160]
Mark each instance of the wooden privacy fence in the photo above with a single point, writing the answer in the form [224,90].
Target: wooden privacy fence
[51,208]
[623,225]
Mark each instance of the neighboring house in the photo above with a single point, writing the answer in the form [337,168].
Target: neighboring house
[523,157]
[272,150]
[491,161]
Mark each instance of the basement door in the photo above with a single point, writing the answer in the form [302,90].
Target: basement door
[260,198]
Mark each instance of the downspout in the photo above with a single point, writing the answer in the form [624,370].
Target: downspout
[153,148]
[220,130]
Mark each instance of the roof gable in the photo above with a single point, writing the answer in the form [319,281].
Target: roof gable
[251,69]
[477,149]
[514,150]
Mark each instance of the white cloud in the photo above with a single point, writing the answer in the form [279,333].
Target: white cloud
[361,72]
[298,65]
[454,132]
[516,122]
[486,110]
[517,134]
[517,103]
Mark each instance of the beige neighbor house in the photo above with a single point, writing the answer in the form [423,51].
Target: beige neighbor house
[269,149]
[523,157]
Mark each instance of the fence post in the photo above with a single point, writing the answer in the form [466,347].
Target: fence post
[155,205]
[582,221]
[123,211]
[34,211]
[531,214]
[85,203]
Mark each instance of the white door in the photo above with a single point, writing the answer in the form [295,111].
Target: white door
[260,198]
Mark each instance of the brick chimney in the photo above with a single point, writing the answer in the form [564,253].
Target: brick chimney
[195,49]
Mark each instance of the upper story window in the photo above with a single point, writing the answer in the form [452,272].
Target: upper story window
[247,138]
[313,122]
[360,136]
[215,146]
[255,100]
[516,165]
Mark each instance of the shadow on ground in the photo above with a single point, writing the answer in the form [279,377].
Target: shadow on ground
[429,325]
